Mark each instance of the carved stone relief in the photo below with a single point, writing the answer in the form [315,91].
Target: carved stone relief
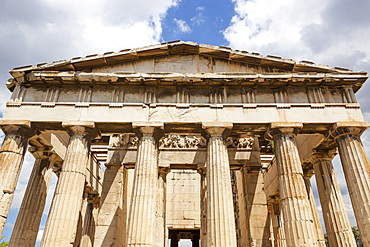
[123,141]
[242,143]
[182,141]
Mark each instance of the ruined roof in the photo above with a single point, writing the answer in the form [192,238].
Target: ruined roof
[180,48]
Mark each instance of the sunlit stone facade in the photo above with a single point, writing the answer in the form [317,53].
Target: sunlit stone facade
[185,141]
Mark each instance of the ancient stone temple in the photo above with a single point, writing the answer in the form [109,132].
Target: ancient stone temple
[185,141]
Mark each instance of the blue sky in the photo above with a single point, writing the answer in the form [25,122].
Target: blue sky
[333,32]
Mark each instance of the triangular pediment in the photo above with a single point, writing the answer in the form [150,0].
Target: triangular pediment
[181,51]
[190,61]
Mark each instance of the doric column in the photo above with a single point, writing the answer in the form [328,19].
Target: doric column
[141,222]
[109,223]
[61,226]
[161,231]
[11,159]
[220,214]
[307,174]
[203,205]
[356,169]
[29,216]
[336,220]
[277,222]
[89,221]
[297,215]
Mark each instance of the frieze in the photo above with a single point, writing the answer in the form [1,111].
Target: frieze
[182,141]
[123,141]
[241,143]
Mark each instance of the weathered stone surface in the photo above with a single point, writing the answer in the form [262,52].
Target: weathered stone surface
[28,221]
[60,229]
[356,169]
[11,159]
[297,215]
[337,224]
[186,90]
[141,220]
[307,174]
[220,213]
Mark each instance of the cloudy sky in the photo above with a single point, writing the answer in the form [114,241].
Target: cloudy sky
[332,32]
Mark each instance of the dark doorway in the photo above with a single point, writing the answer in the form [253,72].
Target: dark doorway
[176,235]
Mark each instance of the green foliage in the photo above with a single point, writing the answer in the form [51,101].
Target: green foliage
[3,244]
[272,145]
[356,234]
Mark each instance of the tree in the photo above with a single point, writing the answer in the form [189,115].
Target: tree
[3,244]
[357,236]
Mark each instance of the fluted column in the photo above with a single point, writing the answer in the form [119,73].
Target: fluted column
[277,223]
[203,205]
[336,220]
[307,174]
[220,213]
[108,228]
[297,215]
[29,216]
[11,159]
[141,222]
[161,231]
[356,169]
[89,221]
[61,226]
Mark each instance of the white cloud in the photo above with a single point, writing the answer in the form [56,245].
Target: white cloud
[332,32]
[62,29]
[199,19]
[39,235]
[182,25]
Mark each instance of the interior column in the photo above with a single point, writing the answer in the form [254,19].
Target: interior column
[336,220]
[28,221]
[307,174]
[61,226]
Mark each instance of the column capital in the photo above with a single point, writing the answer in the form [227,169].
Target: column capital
[202,170]
[143,128]
[84,128]
[343,128]
[164,170]
[217,128]
[280,128]
[323,154]
[308,173]
[39,152]
[21,127]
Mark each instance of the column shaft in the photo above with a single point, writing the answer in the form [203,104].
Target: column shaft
[141,222]
[356,169]
[336,220]
[317,225]
[220,214]
[11,159]
[277,224]
[161,236]
[111,225]
[61,226]
[298,219]
[29,216]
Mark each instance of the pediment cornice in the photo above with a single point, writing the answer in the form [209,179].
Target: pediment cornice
[178,48]
[194,79]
